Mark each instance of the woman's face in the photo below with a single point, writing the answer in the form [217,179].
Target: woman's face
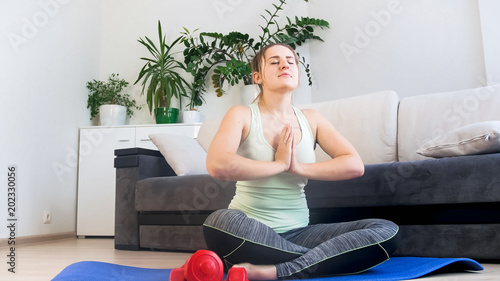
[279,71]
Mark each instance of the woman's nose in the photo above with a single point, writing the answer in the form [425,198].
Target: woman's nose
[285,65]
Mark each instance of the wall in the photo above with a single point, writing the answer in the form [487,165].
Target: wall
[122,27]
[49,49]
[412,47]
[491,38]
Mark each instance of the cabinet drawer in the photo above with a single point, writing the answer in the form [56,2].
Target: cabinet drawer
[104,140]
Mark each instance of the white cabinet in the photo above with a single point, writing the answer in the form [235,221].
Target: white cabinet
[96,172]
[96,178]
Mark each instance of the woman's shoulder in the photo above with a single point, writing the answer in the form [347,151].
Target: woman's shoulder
[311,114]
[316,120]
[238,110]
[238,113]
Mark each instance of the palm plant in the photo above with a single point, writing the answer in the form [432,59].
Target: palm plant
[161,79]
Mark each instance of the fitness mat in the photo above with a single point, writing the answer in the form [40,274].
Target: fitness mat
[397,268]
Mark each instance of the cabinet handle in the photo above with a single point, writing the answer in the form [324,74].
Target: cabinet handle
[123,140]
[145,139]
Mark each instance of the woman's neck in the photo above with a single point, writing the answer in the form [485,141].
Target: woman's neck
[277,103]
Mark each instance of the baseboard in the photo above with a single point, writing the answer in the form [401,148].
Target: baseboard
[23,240]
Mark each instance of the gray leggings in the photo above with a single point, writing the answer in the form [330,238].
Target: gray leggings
[311,251]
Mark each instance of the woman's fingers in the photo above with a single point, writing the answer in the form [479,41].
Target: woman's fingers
[284,149]
[286,134]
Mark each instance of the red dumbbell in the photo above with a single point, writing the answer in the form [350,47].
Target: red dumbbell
[205,265]
[237,274]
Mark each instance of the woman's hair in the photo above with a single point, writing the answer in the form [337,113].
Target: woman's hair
[258,62]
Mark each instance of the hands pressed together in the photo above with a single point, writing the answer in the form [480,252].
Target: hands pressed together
[286,152]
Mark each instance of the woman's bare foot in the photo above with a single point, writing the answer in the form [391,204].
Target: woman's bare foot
[259,272]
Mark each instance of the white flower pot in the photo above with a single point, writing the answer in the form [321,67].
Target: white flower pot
[191,116]
[248,93]
[112,115]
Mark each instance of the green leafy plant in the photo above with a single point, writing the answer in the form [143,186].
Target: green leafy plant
[195,95]
[229,55]
[108,92]
[161,79]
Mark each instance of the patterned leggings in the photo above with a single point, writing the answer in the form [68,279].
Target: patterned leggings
[311,251]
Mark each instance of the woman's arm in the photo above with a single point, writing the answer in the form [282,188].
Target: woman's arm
[345,163]
[222,160]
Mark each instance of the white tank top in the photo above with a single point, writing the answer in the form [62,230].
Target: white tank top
[278,201]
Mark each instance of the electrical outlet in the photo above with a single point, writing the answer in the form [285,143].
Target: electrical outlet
[47,217]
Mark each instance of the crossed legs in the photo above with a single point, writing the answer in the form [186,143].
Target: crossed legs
[312,251]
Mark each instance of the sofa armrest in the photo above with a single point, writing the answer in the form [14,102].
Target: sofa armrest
[150,163]
[133,165]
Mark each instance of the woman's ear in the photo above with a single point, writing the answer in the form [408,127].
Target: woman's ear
[257,78]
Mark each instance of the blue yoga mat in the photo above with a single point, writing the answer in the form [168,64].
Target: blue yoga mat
[398,268]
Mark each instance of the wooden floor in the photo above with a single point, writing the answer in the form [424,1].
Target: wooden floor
[44,261]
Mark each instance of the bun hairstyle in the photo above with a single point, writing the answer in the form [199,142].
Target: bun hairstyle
[258,62]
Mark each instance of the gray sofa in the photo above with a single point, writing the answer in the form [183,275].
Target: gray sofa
[445,206]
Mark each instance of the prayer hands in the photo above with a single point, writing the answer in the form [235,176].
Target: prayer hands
[286,150]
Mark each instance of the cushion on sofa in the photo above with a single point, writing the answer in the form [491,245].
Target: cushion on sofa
[477,138]
[194,193]
[207,132]
[425,117]
[368,121]
[451,180]
[184,154]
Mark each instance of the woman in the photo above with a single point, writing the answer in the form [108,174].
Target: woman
[268,148]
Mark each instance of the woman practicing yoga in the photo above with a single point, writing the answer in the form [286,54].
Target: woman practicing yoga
[268,148]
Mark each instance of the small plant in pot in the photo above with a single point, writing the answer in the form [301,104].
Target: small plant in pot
[192,115]
[106,100]
[161,80]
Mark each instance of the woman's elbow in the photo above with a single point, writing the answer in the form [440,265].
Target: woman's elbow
[214,170]
[217,173]
[357,169]
[219,170]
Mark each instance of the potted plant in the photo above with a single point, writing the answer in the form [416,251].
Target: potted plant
[105,99]
[161,80]
[192,115]
[229,55]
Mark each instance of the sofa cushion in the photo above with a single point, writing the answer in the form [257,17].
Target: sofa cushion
[450,180]
[368,121]
[207,132]
[184,154]
[425,117]
[185,194]
[477,138]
